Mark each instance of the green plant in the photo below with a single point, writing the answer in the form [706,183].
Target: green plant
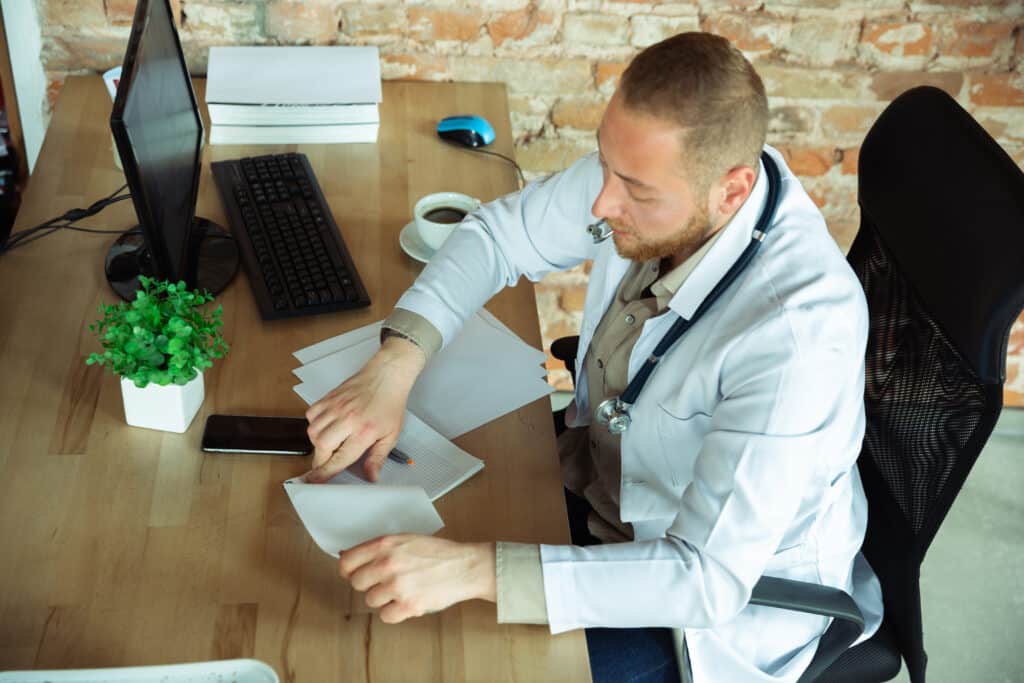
[166,335]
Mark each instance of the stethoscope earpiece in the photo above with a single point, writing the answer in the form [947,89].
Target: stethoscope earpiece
[600,231]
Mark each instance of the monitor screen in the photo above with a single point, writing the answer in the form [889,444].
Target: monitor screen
[159,136]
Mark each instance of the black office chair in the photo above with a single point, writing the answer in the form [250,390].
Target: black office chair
[940,254]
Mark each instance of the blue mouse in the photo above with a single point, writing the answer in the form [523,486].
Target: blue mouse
[467,130]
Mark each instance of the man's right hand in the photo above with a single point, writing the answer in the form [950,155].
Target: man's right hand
[364,413]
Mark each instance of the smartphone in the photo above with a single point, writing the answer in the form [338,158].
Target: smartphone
[255,434]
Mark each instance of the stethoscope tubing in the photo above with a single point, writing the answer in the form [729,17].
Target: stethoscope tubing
[679,327]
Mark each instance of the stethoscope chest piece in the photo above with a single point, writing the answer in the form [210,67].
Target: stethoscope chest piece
[614,415]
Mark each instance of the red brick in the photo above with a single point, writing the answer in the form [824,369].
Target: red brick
[818,198]
[557,329]
[888,85]
[516,25]
[121,12]
[747,32]
[844,119]
[609,72]
[76,13]
[452,24]
[899,39]
[850,155]
[578,113]
[297,22]
[415,66]
[997,90]
[571,299]
[843,232]
[53,88]
[809,161]
[1016,343]
[977,39]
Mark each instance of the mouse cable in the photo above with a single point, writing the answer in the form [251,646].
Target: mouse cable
[66,221]
[519,171]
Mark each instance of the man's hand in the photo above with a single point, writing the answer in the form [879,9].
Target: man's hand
[364,413]
[410,575]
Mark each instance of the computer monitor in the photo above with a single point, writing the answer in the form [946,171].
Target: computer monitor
[159,136]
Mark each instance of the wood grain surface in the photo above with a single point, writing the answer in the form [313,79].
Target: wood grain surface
[122,546]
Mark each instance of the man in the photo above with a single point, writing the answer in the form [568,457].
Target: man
[740,460]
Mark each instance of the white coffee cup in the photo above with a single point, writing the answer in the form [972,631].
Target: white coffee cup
[437,214]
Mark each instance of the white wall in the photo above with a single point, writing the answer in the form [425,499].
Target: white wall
[24,42]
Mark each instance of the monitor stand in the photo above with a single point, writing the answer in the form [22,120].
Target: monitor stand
[217,261]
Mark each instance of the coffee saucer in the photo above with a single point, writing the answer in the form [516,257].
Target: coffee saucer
[409,240]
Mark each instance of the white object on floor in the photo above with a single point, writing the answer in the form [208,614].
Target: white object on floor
[234,670]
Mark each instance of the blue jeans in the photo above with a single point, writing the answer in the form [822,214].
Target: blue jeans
[622,655]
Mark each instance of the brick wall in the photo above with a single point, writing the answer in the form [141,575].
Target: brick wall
[830,66]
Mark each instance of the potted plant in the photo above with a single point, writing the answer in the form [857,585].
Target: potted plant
[159,344]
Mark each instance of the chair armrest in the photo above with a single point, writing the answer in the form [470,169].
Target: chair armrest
[813,598]
[564,349]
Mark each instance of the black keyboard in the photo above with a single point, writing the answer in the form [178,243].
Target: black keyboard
[290,246]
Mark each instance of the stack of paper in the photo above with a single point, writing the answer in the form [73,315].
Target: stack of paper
[276,95]
[485,372]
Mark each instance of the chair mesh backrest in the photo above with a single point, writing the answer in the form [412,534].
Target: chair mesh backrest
[940,254]
[923,401]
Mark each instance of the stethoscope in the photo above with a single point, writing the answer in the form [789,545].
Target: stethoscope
[613,413]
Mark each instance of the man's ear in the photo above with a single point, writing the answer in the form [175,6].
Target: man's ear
[731,190]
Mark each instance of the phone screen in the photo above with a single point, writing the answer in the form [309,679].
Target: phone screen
[254,434]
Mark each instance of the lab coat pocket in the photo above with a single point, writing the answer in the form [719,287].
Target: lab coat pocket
[680,439]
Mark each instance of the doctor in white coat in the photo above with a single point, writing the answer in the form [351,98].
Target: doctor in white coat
[740,460]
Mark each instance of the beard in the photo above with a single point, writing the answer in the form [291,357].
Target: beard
[683,242]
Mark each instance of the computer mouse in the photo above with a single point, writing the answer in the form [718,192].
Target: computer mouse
[467,130]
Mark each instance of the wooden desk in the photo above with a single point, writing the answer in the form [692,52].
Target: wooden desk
[121,546]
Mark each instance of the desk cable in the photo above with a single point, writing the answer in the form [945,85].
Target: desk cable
[519,171]
[67,221]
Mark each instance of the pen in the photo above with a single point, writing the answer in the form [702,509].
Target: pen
[400,457]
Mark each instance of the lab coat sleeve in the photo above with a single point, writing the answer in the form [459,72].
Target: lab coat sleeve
[766,450]
[528,233]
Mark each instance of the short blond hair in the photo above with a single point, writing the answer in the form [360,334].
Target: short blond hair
[703,84]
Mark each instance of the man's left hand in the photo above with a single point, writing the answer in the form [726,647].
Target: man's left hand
[408,575]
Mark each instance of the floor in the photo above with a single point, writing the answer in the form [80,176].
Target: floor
[972,580]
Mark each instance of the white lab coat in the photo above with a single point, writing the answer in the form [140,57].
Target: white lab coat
[740,460]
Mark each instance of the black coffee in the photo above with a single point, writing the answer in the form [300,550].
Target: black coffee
[445,214]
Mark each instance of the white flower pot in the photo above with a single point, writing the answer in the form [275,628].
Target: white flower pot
[169,408]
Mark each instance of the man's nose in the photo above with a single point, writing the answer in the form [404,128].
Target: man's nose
[607,204]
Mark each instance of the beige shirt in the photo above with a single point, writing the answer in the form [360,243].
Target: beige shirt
[590,456]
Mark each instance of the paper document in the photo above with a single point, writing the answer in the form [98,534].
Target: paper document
[485,372]
[293,75]
[348,510]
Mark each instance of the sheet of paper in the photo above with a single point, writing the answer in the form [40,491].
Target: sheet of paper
[485,372]
[347,509]
[343,341]
[339,517]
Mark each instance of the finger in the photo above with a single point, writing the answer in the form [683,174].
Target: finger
[396,612]
[360,555]
[376,457]
[319,407]
[381,593]
[334,446]
[348,452]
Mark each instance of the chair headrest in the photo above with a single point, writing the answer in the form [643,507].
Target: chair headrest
[948,203]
